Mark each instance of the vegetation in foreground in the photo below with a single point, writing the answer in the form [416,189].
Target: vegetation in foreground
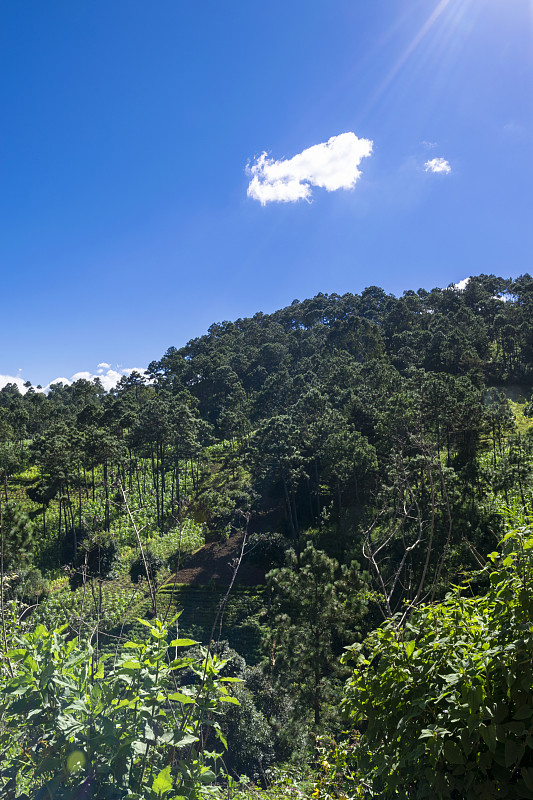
[361,448]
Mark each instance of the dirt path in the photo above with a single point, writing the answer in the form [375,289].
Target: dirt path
[214,563]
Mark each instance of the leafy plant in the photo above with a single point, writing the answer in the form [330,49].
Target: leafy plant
[445,702]
[138,567]
[336,770]
[73,725]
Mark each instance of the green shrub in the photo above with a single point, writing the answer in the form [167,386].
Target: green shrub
[73,726]
[445,702]
[151,560]
[96,558]
[30,585]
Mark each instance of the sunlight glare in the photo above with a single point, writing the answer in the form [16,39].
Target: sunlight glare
[455,13]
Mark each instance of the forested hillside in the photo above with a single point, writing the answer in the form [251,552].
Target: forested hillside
[364,452]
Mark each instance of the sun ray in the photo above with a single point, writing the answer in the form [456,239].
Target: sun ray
[455,12]
[426,27]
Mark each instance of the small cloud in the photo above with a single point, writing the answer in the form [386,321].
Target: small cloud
[108,376]
[439,165]
[110,379]
[330,165]
[428,145]
[514,131]
[461,286]
[65,381]
[19,383]
[505,297]
[81,376]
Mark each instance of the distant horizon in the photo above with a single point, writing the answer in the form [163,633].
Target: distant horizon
[110,374]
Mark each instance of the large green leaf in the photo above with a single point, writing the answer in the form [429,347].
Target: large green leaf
[162,782]
[453,753]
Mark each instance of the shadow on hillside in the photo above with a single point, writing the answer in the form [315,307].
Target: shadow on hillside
[214,563]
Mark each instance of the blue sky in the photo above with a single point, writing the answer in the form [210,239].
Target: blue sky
[131,131]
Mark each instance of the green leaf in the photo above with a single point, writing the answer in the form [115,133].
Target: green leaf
[99,674]
[524,712]
[227,699]
[453,753]
[182,739]
[222,738]
[130,665]
[162,782]
[485,760]
[182,642]
[179,697]
[489,737]
[527,776]
[48,764]
[78,705]
[513,752]
[409,648]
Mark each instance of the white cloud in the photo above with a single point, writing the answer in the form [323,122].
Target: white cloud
[438,165]
[108,377]
[330,165]
[5,379]
[66,381]
[78,376]
[461,286]
[428,145]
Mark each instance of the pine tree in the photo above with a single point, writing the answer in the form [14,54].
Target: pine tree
[16,539]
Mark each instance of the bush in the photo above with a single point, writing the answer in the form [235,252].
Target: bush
[96,558]
[70,729]
[85,608]
[154,562]
[445,702]
[268,550]
[30,585]
[249,736]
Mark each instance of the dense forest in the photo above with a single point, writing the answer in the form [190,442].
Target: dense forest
[366,463]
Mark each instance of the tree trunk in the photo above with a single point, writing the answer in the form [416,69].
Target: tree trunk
[155,482]
[289,514]
[317,485]
[106,489]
